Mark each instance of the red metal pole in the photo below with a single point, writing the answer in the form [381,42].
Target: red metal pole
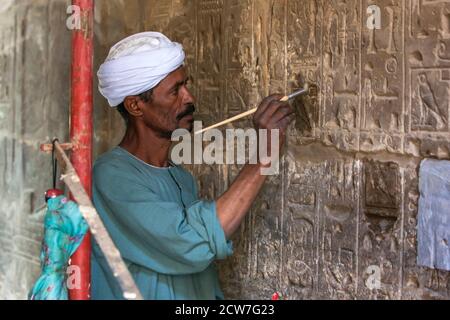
[81,129]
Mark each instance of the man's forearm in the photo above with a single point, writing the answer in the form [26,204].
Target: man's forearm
[234,204]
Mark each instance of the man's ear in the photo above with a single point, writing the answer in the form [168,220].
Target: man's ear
[133,106]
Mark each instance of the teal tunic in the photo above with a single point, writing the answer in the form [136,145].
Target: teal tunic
[168,238]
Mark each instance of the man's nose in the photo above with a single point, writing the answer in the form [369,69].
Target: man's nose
[188,97]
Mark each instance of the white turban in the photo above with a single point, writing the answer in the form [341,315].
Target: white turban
[137,64]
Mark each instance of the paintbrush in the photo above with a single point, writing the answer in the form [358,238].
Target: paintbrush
[252,111]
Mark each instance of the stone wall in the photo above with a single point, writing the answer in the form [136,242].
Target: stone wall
[34,105]
[346,199]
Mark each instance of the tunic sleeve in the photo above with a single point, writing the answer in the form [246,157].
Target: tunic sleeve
[160,235]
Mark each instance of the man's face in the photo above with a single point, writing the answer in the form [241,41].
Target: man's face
[171,105]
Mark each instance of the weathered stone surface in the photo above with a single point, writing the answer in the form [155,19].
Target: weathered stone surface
[346,200]
[34,81]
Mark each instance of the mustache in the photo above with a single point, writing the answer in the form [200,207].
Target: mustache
[190,109]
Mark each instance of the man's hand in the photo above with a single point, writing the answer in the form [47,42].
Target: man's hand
[233,205]
[273,114]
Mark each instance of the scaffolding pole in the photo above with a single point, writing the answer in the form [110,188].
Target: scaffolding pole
[81,129]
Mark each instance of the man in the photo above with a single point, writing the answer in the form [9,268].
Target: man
[168,237]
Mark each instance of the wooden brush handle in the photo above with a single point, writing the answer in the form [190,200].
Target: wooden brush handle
[232,119]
